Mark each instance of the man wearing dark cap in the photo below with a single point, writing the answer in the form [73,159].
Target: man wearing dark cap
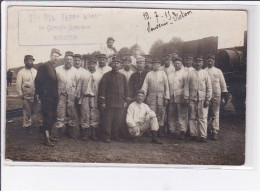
[156,88]
[219,95]
[188,59]
[178,111]
[140,118]
[148,64]
[127,71]
[113,95]
[197,94]
[137,79]
[175,53]
[67,87]
[90,116]
[81,72]
[102,64]
[26,91]
[46,86]
[168,66]
[109,49]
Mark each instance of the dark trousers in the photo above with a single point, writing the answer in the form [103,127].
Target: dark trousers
[113,118]
[9,82]
[49,114]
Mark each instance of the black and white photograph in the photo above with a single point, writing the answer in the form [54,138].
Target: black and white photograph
[125,85]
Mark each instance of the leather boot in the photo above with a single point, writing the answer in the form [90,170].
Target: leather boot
[93,134]
[28,130]
[85,133]
[154,138]
[214,137]
[47,139]
[60,132]
[71,132]
[80,132]
[52,138]
[161,132]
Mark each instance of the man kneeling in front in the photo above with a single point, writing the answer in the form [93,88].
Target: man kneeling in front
[141,118]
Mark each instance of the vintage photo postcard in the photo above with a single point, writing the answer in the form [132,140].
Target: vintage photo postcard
[125,85]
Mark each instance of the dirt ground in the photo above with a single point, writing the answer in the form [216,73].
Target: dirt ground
[228,150]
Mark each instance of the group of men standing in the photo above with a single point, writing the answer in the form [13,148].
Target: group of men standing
[113,93]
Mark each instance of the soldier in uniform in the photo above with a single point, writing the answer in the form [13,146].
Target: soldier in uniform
[148,64]
[102,64]
[89,107]
[109,50]
[188,63]
[174,54]
[168,65]
[141,118]
[26,91]
[156,88]
[178,110]
[67,85]
[127,71]
[197,93]
[46,86]
[137,79]
[77,61]
[219,95]
[114,95]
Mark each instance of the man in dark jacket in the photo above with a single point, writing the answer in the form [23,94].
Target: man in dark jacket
[137,79]
[113,94]
[46,87]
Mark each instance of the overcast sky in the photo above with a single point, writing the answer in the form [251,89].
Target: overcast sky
[36,32]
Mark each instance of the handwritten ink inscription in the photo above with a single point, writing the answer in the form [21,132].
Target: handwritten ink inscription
[158,20]
[41,27]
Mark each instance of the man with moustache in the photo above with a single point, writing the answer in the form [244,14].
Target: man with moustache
[66,111]
[148,64]
[178,111]
[46,86]
[90,116]
[188,59]
[156,88]
[219,95]
[137,79]
[113,95]
[127,71]
[26,91]
[197,94]
[102,64]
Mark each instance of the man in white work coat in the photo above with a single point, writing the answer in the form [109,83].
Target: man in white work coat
[127,71]
[178,111]
[156,88]
[26,90]
[67,83]
[219,95]
[102,66]
[188,62]
[197,94]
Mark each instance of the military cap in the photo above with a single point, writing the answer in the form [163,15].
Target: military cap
[110,38]
[212,56]
[102,56]
[69,53]
[116,59]
[92,59]
[140,59]
[27,57]
[188,56]
[54,50]
[199,58]
[167,56]
[148,60]
[127,58]
[78,55]
[177,59]
[140,92]
[157,61]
